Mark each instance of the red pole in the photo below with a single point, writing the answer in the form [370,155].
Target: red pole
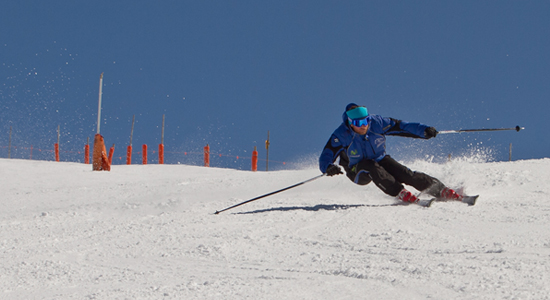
[161,154]
[161,145]
[144,149]
[254,160]
[207,156]
[129,155]
[111,151]
[31,152]
[56,147]
[86,154]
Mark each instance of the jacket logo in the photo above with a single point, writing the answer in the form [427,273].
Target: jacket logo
[353,152]
[379,142]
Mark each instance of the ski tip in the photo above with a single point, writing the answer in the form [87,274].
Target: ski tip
[217,213]
[470,200]
[473,201]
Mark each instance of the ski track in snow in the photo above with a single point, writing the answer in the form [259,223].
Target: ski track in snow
[149,232]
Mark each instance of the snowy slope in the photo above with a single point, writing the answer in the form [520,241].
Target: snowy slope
[149,232]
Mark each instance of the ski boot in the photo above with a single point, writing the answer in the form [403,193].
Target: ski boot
[450,194]
[407,196]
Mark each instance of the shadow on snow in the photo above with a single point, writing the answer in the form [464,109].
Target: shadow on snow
[318,207]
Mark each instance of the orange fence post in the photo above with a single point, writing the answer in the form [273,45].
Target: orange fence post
[56,147]
[161,145]
[129,155]
[144,152]
[111,151]
[161,154]
[129,150]
[86,154]
[254,160]
[100,161]
[207,156]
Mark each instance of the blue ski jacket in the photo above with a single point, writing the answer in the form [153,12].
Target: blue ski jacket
[369,146]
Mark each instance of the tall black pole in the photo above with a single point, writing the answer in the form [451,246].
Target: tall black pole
[132,131]
[99,102]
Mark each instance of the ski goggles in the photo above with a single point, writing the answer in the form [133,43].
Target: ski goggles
[359,122]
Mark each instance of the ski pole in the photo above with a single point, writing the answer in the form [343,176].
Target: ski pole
[269,194]
[517,128]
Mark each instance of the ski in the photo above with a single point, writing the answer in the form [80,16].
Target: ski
[425,203]
[470,200]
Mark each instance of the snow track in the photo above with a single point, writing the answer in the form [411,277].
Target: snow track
[149,232]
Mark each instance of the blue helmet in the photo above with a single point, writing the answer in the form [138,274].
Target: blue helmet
[359,112]
[355,112]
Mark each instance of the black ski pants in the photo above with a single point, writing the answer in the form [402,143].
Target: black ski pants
[389,176]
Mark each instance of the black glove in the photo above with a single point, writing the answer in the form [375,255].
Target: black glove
[333,170]
[430,132]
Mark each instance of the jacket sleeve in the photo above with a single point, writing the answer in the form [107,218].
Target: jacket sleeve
[330,153]
[401,128]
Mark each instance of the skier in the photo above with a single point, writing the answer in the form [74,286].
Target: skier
[360,142]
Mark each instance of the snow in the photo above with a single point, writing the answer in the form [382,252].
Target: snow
[150,232]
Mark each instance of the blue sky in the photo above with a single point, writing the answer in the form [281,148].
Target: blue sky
[226,72]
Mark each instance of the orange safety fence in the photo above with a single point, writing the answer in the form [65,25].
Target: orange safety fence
[59,154]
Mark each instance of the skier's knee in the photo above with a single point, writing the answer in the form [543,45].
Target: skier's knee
[361,178]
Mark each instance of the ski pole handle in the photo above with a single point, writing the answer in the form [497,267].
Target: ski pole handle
[517,128]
